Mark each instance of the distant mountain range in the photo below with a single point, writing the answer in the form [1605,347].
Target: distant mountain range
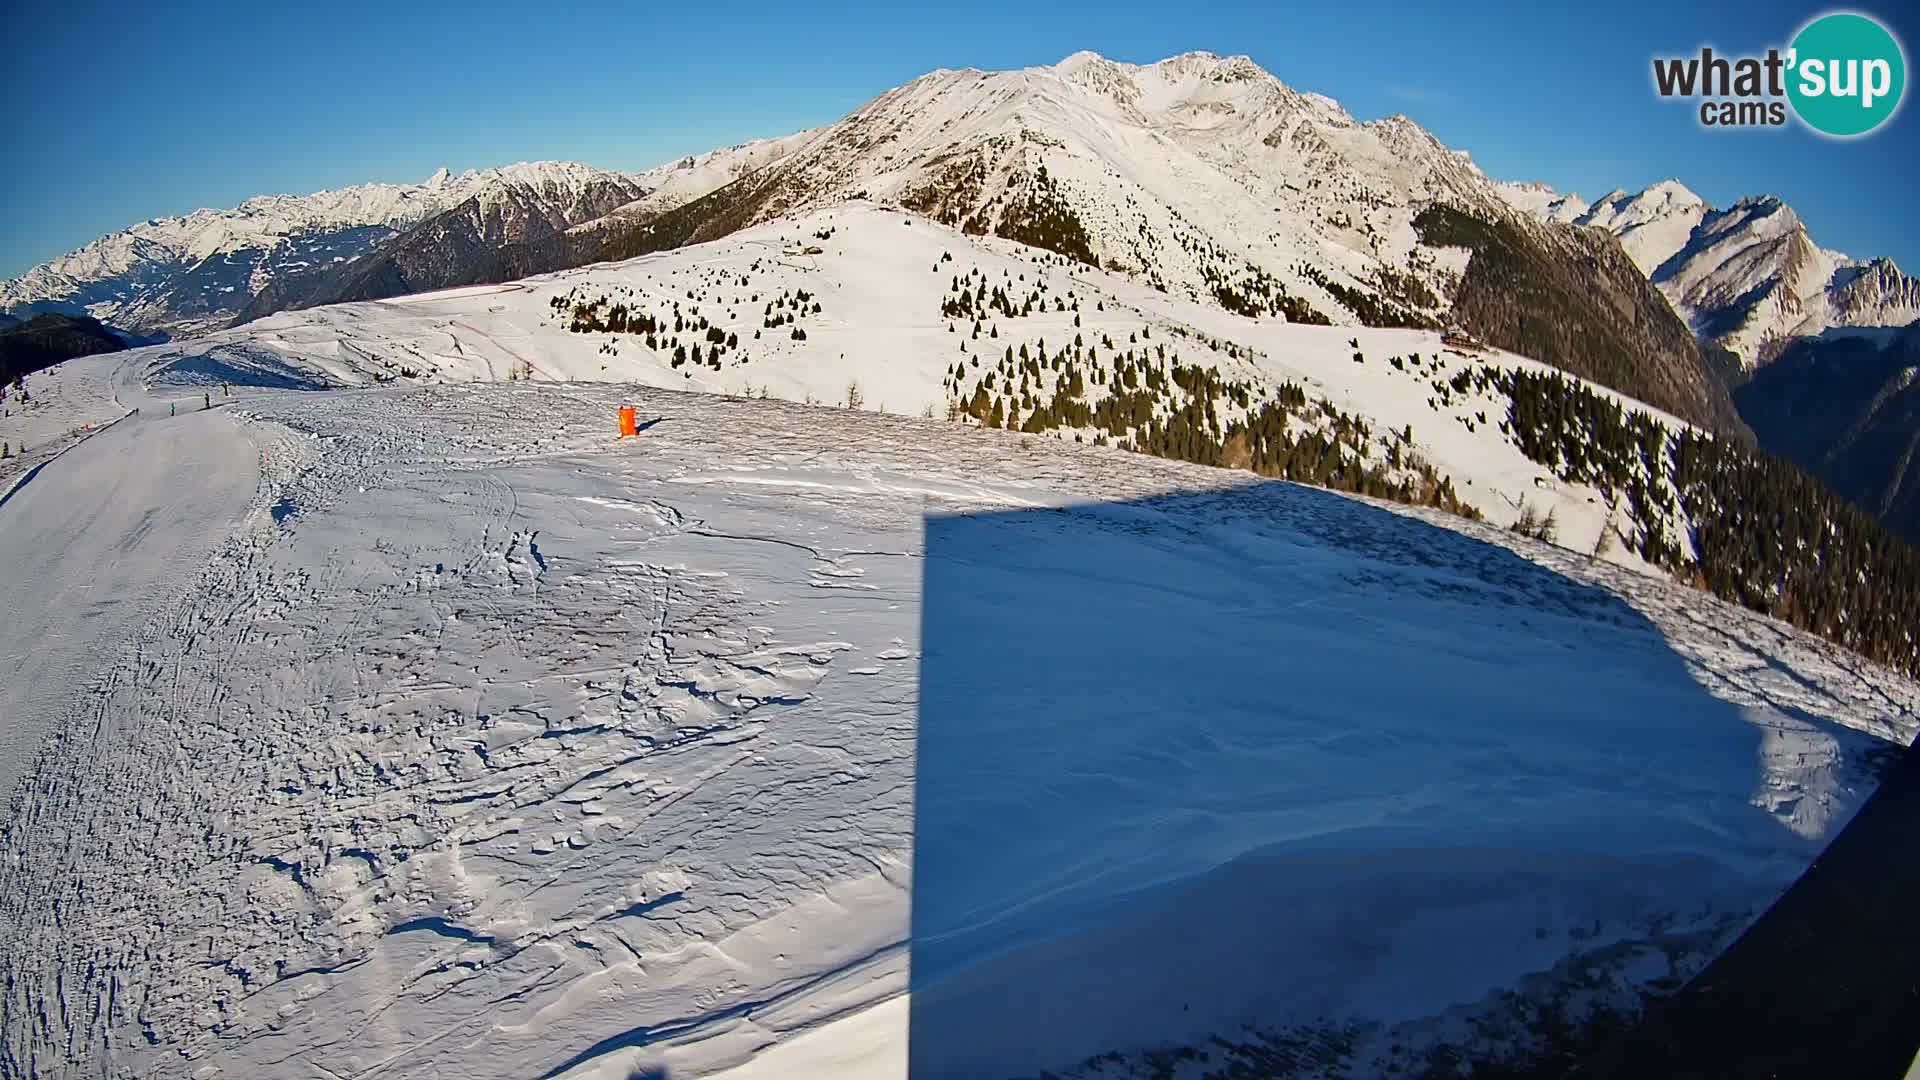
[186,275]
[1212,201]
[1807,338]
[1749,279]
[1201,175]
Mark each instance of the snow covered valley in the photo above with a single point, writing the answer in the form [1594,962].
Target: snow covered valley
[441,733]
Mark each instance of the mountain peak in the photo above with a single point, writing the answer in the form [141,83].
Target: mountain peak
[1212,66]
[1748,276]
[1761,204]
[1542,200]
[1674,193]
[1082,59]
[1193,61]
[438,180]
[1173,78]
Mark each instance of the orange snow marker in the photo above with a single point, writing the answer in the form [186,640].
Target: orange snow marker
[629,424]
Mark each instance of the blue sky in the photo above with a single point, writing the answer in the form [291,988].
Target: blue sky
[124,112]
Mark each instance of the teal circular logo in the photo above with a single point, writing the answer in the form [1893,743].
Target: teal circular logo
[1848,74]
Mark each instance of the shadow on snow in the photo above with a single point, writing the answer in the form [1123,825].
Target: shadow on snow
[1279,756]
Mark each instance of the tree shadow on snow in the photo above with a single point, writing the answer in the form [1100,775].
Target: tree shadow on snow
[1276,755]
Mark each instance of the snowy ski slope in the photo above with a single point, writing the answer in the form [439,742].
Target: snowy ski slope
[485,744]
[880,279]
[368,710]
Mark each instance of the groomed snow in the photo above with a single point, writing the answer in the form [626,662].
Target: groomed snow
[85,563]
[486,744]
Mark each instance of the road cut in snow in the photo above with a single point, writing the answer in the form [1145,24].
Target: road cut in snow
[788,740]
[450,294]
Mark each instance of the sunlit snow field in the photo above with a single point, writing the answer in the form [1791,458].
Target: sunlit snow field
[475,741]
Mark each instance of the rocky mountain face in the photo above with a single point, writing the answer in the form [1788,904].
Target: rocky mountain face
[186,275]
[1203,176]
[483,238]
[1845,406]
[1208,178]
[1874,294]
[1573,298]
[1807,337]
[1749,279]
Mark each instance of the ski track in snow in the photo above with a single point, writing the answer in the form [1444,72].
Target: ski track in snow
[487,745]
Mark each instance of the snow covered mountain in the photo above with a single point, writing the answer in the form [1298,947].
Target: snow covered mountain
[1201,175]
[875,306]
[438,732]
[914,317]
[1748,278]
[1756,288]
[1542,201]
[472,240]
[1208,178]
[189,274]
[1652,226]
[680,182]
[517,231]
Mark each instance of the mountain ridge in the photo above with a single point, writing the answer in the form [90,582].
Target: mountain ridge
[191,273]
[1200,174]
[1749,278]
